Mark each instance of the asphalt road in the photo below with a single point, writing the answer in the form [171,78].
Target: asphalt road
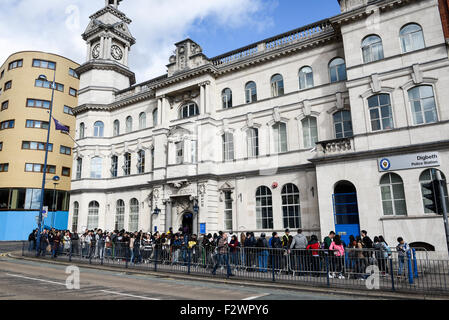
[35,280]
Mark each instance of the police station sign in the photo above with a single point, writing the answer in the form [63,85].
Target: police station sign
[409,161]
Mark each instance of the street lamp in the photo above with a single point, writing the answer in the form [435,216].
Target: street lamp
[44,78]
[55,183]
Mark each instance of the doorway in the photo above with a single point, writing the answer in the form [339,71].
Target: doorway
[346,210]
[187,223]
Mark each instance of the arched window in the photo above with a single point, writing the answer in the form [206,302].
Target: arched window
[310,132]
[226,97]
[337,70]
[82,130]
[76,208]
[120,215]
[264,208]
[412,38]
[114,166]
[290,206]
[116,128]
[280,137]
[95,168]
[305,78]
[393,195]
[79,168]
[430,191]
[129,124]
[342,124]
[228,146]
[189,110]
[277,85]
[133,215]
[422,102]
[250,92]
[372,49]
[141,161]
[142,121]
[252,138]
[380,112]
[98,129]
[92,215]
[127,164]
[155,117]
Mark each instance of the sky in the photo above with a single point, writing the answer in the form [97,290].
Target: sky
[218,26]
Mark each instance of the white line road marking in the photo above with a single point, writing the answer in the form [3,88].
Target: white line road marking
[129,295]
[256,297]
[15,275]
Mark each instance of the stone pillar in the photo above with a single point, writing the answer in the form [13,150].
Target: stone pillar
[168,215]
[102,48]
[125,58]
[206,98]
[202,104]
[89,47]
[159,111]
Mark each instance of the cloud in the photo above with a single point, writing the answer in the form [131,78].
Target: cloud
[56,26]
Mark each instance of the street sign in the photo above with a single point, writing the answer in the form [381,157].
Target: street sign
[409,161]
[202,228]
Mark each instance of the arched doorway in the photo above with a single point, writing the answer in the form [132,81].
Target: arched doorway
[346,210]
[187,222]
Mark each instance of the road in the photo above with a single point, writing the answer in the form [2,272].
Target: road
[35,280]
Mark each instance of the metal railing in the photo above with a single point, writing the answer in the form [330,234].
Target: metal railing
[363,269]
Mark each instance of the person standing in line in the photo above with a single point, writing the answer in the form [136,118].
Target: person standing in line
[276,252]
[402,248]
[222,255]
[339,253]
[262,252]
[299,245]
[314,247]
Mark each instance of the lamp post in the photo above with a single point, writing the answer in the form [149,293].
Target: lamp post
[39,224]
[55,183]
[443,204]
[155,212]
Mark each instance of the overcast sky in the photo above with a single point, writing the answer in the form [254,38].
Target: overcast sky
[217,26]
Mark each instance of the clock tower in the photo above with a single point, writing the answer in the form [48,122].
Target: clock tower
[106,69]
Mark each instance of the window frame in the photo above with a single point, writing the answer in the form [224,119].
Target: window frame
[226,98]
[337,71]
[401,36]
[343,127]
[303,78]
[285,198]
[18,64]
[252,142]
[98,130]
[368,49]
[277,141]
[43,62]
[379,107]
[411,104]
[309,143]
[267,222]
[250,92]
[228,146]
[187,106]
[392,200]
[277,85]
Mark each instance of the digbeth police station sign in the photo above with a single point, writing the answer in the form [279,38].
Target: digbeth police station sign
[409,161]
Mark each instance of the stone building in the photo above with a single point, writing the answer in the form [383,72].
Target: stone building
[336,125]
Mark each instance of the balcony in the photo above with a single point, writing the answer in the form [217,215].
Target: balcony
[335,147]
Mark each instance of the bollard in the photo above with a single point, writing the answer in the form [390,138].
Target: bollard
[415,265]
[409,267]
[392,274]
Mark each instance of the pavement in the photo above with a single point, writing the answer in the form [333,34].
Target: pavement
[48,281]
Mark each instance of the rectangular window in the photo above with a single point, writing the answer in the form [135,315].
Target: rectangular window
[32,145]
[2,74]
[36,124]
[36,167]
[65,150]
[9,124]
[1,146]
[73,73]
[68,110]
[114,166]
[65,172]
[127,166]
[179,152]
[280,137]
[48,84]
[4,105]
[228,147]
[79,167]
[193,150]
[15,64]
[33,103]
[4,167]
[44,64]
[228,210]
[8,85]
[73,92]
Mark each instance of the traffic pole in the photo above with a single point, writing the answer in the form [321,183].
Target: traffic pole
[444,206]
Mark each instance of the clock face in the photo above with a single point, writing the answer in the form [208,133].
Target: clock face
[96,51]
[116,52]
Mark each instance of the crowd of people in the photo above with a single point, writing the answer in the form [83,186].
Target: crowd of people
[296,254]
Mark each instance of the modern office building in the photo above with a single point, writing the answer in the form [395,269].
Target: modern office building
[25,98]
[337,125]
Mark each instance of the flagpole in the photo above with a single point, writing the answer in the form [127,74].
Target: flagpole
[41,206]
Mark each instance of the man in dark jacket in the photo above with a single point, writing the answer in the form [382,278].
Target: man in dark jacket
[367,245]
[276,251]
[262,252]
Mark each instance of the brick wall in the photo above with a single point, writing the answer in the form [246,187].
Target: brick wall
[444,11]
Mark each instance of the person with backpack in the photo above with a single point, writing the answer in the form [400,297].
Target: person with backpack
[402,248]
[368,246]
[222,255]
[339,252]
[262,253]
[276,251]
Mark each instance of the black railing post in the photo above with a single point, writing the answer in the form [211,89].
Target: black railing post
[156,257]
[392,274]
[70,251]
[23,248]
[190,258]
[126,257]
[326,257]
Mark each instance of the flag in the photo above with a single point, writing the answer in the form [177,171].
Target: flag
[60,126]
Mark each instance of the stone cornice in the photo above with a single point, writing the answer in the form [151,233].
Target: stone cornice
[109,28]
[107,65]
[142,96]
[113,11]
[363,12]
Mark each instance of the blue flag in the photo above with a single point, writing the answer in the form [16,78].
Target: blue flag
[60,126]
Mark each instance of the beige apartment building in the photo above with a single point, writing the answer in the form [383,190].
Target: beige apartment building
[25,99]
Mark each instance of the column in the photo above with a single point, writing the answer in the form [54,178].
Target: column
[125,58]
[89,47]
[202,104]
[159,111]
[206,97]
[168,215]
[102,48]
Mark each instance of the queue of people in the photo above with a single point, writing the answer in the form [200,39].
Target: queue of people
[292,254]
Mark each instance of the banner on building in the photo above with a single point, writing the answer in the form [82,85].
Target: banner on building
[409,161]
